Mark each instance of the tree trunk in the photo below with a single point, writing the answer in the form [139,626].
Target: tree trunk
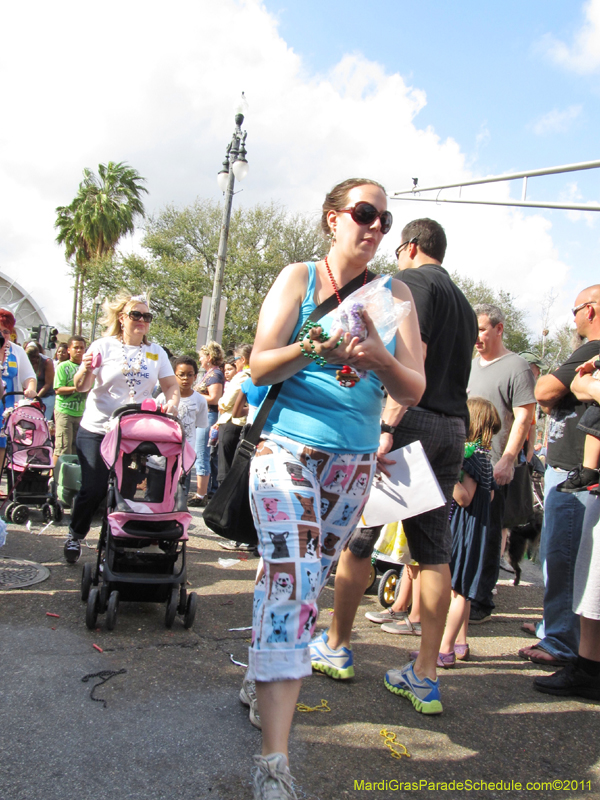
[75,296]
[80,315]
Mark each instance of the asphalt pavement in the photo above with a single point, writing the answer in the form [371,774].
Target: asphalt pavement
[172,724]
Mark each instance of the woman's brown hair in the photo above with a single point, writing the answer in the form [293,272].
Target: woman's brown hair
[337,198]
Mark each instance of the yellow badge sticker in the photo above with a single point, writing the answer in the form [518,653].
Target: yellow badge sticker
[152,356]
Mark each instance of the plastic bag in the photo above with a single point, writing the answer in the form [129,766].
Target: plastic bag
[378,301]
[392,544]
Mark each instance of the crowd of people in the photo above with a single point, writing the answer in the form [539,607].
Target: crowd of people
[347,398]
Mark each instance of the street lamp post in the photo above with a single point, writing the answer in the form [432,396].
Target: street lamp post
[234,166]
[97,304]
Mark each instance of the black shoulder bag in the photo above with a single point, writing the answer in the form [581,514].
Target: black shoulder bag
[228,512]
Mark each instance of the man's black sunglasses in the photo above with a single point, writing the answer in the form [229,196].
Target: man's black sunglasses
[401,247]
[365,214]
[136,316]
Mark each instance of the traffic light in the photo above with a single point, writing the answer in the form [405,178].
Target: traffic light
[36,332]
[52,337]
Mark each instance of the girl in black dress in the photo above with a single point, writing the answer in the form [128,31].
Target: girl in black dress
[469,521]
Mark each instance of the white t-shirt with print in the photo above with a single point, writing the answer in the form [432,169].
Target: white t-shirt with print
[193,413]
[110,390]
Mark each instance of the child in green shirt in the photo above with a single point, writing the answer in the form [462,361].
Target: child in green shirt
[70,404]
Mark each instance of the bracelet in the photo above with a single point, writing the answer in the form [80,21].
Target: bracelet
[303,334]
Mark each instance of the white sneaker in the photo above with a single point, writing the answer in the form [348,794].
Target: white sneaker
[271,779]
[248,698]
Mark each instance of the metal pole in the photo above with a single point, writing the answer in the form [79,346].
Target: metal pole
[97,304]
[533,173]
[527,204]
[215,302]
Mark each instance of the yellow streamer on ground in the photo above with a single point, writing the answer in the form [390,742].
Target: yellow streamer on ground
[390,741]
[323,707]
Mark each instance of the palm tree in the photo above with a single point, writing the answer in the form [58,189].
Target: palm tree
[104,209]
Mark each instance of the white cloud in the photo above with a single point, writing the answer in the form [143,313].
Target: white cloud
[556,121]
[155,86]
[583,55]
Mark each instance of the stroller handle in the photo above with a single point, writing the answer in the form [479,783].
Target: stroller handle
[131,407]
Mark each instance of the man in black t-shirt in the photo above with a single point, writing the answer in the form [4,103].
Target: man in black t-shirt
[563,513]
[448,328]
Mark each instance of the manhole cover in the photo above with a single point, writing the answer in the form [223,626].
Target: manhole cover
[16,573]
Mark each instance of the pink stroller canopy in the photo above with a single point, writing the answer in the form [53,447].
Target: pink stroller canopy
[30,444]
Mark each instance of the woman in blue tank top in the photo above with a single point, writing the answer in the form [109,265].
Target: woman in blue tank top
[312,472]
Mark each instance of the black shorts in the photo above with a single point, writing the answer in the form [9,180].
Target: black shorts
[590,421]
[429,536]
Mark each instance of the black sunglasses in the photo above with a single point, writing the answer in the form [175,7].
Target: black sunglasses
[136,316]
[401,247]
[365,214]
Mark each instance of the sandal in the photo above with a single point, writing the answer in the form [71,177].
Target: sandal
[462,652]
[445,660]
[405,627]
[538,655]
[529,627]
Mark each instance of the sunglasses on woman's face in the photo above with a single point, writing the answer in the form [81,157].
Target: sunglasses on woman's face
[137,316]
[365,214]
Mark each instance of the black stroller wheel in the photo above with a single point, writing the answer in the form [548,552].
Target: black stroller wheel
[91,612]
[372,579]
[398,583]
[20,515]
[57,512]
[47,512]
[182,600]
[172,607]
[111,610]
[103,598]
[190,610]
[86,581]
[9,511]
[387,587]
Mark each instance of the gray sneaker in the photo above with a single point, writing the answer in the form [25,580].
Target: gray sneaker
[271,779]
[386,616]
[248,698]
[228,544]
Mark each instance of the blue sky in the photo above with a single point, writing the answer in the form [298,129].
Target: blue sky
[392,90]
[484,67]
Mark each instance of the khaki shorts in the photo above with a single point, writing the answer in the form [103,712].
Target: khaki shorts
[66,432]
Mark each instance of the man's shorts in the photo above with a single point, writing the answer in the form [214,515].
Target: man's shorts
[429,536]
[65,434]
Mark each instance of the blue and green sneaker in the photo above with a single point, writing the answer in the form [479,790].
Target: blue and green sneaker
[338,664]
[423,694]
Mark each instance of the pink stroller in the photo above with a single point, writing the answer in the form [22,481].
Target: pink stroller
[142,546]
[28,464]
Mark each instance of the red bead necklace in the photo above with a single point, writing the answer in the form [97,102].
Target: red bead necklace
[334,284]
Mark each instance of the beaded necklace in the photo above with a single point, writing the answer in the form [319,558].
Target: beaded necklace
[5,362]
[346,376]
[134,365]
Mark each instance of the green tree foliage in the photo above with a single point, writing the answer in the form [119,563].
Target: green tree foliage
[182,247]
[555,349]
[517,336]
[105,209]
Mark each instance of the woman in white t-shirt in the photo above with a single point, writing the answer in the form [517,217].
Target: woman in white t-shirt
[121,368]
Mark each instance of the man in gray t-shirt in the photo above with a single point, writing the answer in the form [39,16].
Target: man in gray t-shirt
[505,379]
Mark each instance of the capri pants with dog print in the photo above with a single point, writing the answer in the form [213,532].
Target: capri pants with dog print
[305,503]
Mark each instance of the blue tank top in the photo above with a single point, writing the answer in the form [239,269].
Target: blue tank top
[313,409]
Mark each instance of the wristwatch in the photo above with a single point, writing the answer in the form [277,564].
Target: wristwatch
[385,428]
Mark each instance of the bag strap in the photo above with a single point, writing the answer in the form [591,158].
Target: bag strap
[248,443]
